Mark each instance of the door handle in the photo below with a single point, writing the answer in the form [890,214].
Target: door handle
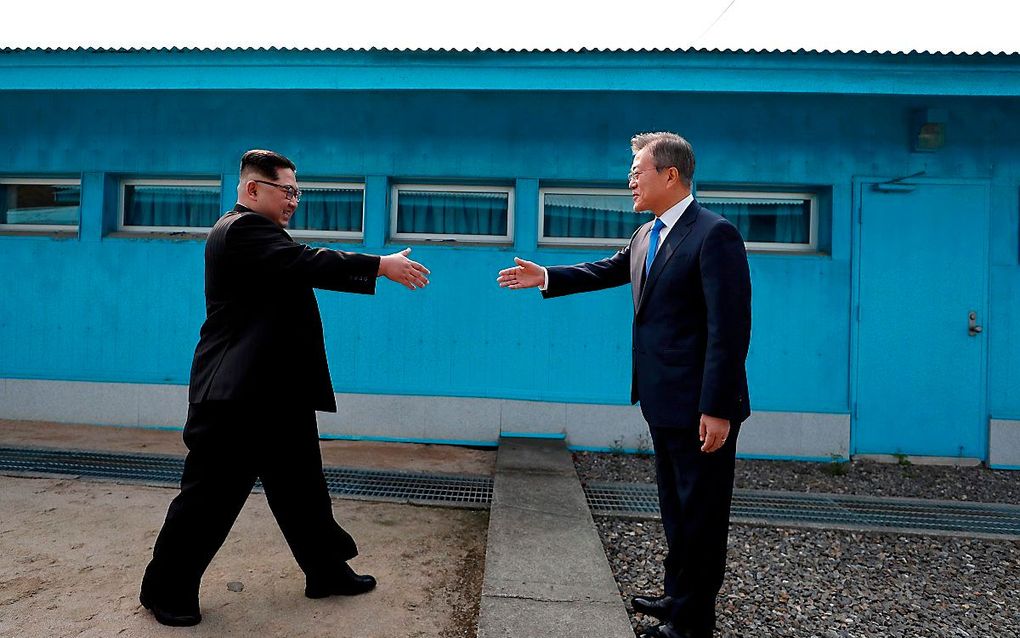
[972,327]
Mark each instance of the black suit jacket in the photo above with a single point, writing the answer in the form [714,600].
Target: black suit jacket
[262,337]
[692,317]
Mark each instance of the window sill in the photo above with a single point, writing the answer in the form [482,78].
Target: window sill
[183,235]
[24,232]
[765,252]
[493,242]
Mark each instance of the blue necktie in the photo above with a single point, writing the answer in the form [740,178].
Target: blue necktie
[653,244]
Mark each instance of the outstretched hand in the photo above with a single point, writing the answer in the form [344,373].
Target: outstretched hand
[397,267]
[526,274]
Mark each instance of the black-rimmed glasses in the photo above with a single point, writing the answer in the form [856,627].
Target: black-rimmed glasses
[292,193]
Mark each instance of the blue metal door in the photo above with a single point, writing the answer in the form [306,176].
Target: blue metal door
[921,303]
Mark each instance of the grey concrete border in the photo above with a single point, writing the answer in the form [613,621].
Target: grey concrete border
[136,404]
[423,418]
[545,567]
[1004,444]
[913,459]
[795,434]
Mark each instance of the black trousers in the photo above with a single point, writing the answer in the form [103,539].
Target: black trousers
[695,491]
[230,444]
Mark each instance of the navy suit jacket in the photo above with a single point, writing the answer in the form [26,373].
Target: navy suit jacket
[692,317]
[262,336]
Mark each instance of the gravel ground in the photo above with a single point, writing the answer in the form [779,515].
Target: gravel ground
[836,584]
[857,477]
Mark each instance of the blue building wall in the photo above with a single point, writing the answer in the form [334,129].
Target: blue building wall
[110,307]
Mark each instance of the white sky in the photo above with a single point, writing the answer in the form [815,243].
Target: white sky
[852,25]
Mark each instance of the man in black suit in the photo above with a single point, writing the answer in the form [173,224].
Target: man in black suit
[692,326]
[258,376]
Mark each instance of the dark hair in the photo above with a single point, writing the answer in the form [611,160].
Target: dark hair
[667,149]
[265,163]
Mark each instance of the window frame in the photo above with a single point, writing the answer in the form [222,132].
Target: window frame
[762,246]
[578,241]
[142,181]
[44,181]
[333,234]
[449,237]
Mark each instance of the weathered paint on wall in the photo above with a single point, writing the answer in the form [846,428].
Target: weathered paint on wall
[115,308]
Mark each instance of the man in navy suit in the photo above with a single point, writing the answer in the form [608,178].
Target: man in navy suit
[692,326]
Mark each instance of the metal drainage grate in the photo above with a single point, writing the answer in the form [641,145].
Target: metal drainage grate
[413,487]
[464,491]
[826,510]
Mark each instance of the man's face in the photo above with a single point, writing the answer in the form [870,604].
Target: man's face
[273,202]
[648,186]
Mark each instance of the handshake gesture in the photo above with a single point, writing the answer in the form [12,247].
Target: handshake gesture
[397,267]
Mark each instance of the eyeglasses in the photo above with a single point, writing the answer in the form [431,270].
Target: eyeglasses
[633,175]
[291,192]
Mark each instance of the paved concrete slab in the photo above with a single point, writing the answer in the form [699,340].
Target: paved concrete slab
[534,456]
[544,562]
[507,618]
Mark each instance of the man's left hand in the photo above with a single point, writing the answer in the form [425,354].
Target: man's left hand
[713,432]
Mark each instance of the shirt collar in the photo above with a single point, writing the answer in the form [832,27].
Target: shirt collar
[672,215]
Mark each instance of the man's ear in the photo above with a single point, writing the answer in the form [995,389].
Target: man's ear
[251,188]
[673,174]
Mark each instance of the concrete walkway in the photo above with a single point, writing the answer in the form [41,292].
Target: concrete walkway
[545,569]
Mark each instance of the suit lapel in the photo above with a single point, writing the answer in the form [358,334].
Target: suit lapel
[637,262]
[673,240]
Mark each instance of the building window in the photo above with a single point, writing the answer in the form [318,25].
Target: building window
[452,213]
[329,209]
[767,220]
[40,204]
[588,217]
[169,204]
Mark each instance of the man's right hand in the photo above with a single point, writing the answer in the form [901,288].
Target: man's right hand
[397,267]
[526,274]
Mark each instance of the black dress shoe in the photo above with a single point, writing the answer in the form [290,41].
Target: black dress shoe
[171,615]
[344,583]
[658,607]
[665,630]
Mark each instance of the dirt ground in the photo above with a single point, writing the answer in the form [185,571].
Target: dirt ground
[72,551]
[443,459]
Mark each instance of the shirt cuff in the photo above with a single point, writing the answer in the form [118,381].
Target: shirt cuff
[545,286]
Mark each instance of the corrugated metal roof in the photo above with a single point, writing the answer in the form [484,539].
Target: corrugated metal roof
[171,49]
[493,70]
[980,27]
